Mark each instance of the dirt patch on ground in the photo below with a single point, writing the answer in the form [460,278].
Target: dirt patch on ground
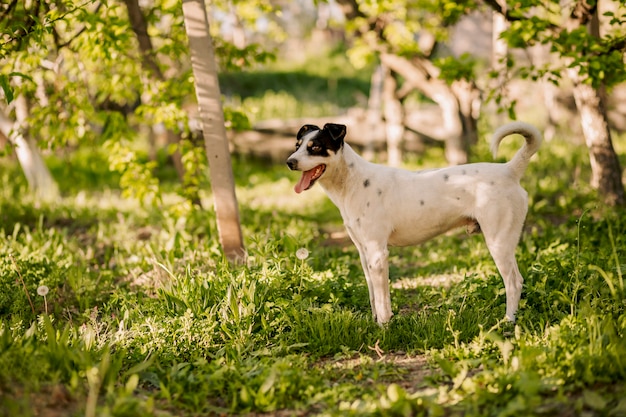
[415,369]
[407,371]
[50,401]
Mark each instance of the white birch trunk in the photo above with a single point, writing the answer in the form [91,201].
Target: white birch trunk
[39,179]
[394,120]
[214,132]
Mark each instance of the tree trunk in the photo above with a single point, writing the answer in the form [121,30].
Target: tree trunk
[606,171]
[437,90]
[374,118]
[394,119]
[37,174]
[140,28]
[469,99]
[605,167]
[214,131]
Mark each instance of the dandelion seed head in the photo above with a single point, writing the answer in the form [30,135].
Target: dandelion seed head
[43,290]
[302,254]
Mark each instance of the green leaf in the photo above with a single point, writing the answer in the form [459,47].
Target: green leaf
[594,400]
[268,383]
[8,91]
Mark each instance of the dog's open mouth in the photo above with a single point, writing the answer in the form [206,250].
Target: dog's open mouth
[309,177]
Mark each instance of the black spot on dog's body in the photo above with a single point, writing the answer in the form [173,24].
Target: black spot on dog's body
[366,183]
[421,202]
[379,192]
[368,204]
[446,177]
[463,172]
[351,165]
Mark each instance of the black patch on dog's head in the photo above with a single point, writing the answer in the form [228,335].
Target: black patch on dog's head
[328,139]
[337,132]
[303,131]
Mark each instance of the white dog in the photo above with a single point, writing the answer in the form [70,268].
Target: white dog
[384,206]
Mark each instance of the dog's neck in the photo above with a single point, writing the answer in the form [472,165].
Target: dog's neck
[345,170]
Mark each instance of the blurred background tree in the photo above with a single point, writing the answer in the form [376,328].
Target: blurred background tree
[106,74]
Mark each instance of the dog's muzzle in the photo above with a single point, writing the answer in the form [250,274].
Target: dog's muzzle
[292,163]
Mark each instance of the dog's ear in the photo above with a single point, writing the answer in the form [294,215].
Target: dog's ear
[306,129]
[337,132]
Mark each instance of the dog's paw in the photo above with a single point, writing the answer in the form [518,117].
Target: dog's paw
[509,318]
[383,319]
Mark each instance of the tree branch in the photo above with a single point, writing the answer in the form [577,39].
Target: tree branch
[6,11]
[77,34]
[140,27]
[498,8]
[582,12]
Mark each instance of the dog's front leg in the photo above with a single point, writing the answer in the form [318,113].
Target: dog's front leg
[363,257]
[375,260]
[368,279]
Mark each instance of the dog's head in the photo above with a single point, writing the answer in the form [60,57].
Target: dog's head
[315,148]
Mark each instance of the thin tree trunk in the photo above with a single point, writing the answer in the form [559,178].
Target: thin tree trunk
[374,112]
[35,170]
[605,167]
[140,27]
[148,62]
[469,100]
[210,105]
[394,119]
[437,90]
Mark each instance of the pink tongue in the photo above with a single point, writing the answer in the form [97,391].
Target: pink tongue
[305,181]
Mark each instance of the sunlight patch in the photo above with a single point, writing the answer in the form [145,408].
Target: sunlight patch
[440,280]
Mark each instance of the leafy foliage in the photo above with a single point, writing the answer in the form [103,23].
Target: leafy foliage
[598,57]
[91,81]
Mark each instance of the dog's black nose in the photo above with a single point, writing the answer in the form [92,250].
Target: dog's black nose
[292,163]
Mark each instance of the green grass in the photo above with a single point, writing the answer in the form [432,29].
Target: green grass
[324,85]
[145,317]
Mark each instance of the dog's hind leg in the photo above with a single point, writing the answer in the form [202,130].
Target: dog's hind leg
[502,230]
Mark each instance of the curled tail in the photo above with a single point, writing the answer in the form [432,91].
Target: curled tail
[533,138]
